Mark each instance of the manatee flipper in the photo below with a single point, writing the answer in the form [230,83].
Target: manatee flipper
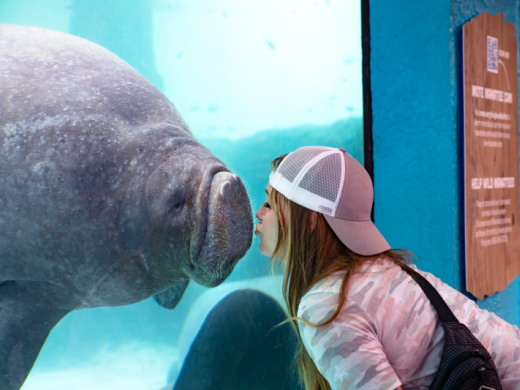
[170,298]
[28,311]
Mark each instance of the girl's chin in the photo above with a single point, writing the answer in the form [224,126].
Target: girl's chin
[264,252]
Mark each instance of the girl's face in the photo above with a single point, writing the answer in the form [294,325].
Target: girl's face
[267,226]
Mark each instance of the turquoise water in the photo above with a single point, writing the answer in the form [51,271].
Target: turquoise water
[253,80]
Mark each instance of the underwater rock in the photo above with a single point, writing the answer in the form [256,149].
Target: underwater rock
[206,301]
[241,345]
[106,198]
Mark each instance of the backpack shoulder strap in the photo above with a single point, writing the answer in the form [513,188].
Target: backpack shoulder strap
[443,311]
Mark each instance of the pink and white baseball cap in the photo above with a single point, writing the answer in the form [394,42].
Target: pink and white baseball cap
[331,182]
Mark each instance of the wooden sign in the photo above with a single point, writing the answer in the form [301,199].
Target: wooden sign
[490,142]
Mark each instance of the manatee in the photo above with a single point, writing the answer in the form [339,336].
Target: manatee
[242,345]
[106,197]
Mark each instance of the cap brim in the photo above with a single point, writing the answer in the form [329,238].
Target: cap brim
[361,237]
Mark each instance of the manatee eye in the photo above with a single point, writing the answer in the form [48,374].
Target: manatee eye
[175,207]
[178,199]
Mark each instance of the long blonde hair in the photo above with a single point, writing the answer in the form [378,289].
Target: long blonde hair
[311,251]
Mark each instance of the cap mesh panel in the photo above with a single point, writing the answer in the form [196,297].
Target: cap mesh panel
[324,178]
[292,165]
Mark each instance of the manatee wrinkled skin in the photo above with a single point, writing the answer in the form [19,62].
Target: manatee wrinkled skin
[106,198]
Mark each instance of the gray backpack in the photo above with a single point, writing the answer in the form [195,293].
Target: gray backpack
[465,363]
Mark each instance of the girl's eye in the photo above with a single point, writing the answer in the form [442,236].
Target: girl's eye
[267,205]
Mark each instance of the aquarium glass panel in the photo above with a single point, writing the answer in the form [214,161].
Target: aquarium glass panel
[253,80]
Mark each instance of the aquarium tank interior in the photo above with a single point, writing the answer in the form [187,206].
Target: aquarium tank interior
[253,80]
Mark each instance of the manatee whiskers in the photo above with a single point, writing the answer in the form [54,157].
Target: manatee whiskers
[252,200]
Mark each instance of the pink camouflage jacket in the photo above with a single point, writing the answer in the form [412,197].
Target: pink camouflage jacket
[388,334]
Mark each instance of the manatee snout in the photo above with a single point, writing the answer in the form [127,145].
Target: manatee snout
[202,210]
[229,230]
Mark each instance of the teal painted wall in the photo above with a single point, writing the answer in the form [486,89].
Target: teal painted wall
[416,131]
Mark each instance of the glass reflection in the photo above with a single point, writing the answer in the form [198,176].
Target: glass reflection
[253,80]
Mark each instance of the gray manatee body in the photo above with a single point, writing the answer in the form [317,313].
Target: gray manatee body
[106,198]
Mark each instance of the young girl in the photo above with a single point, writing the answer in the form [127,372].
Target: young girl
[363,321]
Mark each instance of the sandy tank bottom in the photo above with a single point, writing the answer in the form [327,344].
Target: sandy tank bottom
[132,367]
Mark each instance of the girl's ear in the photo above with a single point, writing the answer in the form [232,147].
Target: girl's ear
[314,220]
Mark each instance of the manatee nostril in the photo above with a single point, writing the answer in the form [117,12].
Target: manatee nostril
[225,189]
